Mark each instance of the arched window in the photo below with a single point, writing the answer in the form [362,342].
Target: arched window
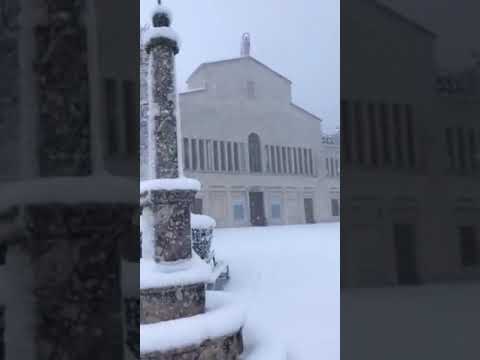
[255,153]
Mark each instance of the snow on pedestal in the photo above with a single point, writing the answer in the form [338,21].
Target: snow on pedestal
[179,320]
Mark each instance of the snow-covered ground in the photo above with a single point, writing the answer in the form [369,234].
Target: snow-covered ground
[288,278]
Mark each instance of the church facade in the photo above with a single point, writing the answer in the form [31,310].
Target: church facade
[258,155]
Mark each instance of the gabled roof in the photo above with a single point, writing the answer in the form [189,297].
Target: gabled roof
[213,63]
[390,11]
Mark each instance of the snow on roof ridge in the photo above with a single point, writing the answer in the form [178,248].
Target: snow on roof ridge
[223,317]
[69,190]
[182,273]
[162,32]
[180,183]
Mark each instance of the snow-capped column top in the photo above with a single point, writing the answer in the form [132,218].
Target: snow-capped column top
[161,33]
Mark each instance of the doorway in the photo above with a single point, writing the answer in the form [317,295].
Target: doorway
[257,209]
[309,216]
[405,251]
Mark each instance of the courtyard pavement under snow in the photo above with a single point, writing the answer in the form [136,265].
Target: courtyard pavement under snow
[288,278]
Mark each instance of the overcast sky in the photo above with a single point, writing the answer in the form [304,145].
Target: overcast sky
[298,38]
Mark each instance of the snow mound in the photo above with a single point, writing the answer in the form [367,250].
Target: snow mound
[69,191]
[162,32]
[180,183]
[222,318]
[182,273]
[202,222]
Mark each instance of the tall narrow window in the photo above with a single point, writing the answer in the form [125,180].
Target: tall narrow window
[461,150]
[346,131]
[411,143]
[201,151]
[110,91]
[235,157]
[243,157]
[359,133]
[300,160]
[216,160]
[295,159]
[305,159]
[337,167]
[310,160]
[194,155]
[289,156]
[208,153]
[255,153]
[332,167]
[223,156]
[186,154]
[373,134]
[450,149]
[327,167]
[130,96]
[230,156]
[468,246]
[279,160]
[284,159]
[397,120]
[385,131]
[273,159]
[473,149]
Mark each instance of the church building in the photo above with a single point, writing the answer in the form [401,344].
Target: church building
[257,153]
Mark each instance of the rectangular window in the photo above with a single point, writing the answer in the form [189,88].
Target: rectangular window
[208,153]
[194,155]
[450,149]
[398,135]
[332,167]
[215,156]
[201,145]
[284,159]
[337,167]
[273,159]
[327,167]
[289,156]
[310,160]
[461,149]
[335,207]
[3,254]
[385,131]
[230,156]
[243,158]
[279,161]
[130,96]
[223,156]
[300,160]
[468,246]
[110,93]
[236,159]
[186,154]
[346,134]
[373,134]
[305,159]
[360,136]
[238,211]
[276,210]
[473,149]
[411,143]
[198,206]
[295,159]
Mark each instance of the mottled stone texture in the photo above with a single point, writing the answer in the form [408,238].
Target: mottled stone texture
[163,304]
[172,227]
[202,243]
[61,70]
[76,253]
[144,172]
[162,107]
[224,348]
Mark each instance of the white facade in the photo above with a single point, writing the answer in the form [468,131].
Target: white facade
[230,107]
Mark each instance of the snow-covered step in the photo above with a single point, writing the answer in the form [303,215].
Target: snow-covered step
[216,334]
